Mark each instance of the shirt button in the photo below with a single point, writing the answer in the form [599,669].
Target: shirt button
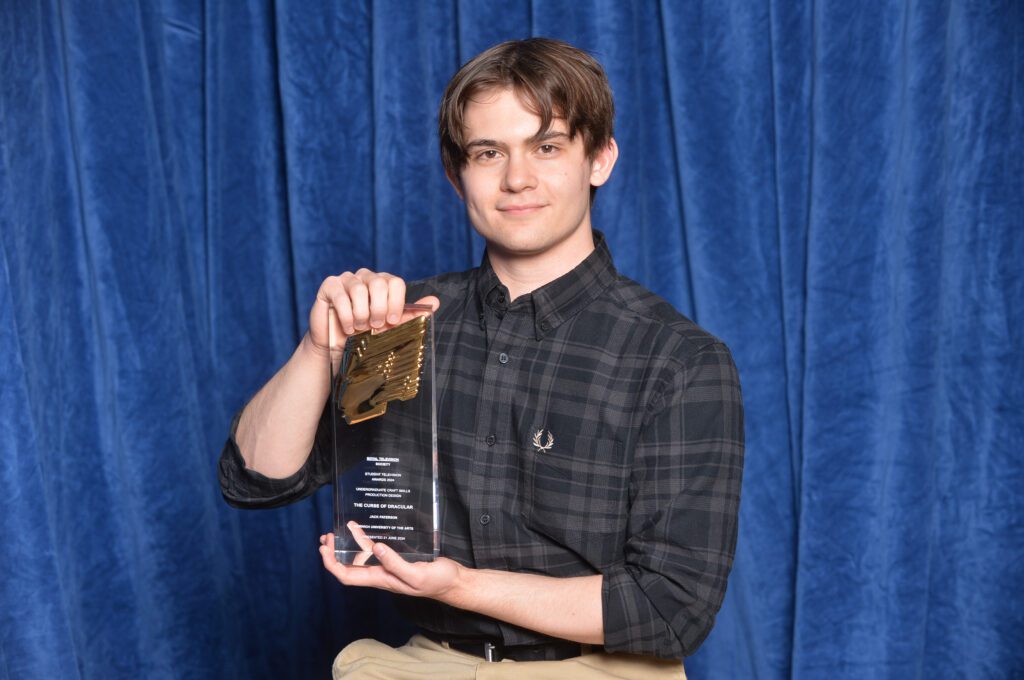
[503,358]
[485,519]
[545,326]
[491,439]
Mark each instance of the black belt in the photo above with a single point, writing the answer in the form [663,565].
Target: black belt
[495,650]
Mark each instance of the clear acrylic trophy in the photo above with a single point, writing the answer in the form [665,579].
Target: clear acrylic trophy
[384,434]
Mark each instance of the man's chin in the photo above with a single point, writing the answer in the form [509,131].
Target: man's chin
[518,248]
[525,240]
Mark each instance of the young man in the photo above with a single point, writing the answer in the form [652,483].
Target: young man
[603,551]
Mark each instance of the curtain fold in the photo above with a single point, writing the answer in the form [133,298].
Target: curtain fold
[833,189]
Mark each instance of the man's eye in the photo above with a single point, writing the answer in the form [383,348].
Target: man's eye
[548,148]
[487,154]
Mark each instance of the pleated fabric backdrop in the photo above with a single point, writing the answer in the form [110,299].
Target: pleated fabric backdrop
[834,188]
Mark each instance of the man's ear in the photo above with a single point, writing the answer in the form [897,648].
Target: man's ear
[456,183]
[603,162]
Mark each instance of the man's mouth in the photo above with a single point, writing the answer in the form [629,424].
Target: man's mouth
[524,209]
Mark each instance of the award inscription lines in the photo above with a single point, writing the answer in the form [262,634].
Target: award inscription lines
[382,496]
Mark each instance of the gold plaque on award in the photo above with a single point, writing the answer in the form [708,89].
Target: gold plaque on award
[381,367]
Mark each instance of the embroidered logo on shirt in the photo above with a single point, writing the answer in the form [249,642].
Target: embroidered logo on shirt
[546,446]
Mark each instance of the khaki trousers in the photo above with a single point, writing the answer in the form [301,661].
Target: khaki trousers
[424,658]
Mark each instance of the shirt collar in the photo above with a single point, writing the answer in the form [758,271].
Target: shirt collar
[558,301]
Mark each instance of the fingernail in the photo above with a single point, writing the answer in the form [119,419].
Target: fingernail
[379,549]
[392,318]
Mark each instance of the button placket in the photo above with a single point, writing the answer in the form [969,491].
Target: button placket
[493,429]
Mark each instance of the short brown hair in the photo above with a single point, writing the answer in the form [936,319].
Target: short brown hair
[552,78]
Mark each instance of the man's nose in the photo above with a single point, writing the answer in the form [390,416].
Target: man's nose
[519,174]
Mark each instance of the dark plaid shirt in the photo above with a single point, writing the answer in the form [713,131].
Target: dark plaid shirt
[586,428]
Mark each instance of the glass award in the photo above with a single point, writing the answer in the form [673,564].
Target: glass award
[384,434]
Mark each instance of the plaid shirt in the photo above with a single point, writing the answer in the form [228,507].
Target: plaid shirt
[637,472]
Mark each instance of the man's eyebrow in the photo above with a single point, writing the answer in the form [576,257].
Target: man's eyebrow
[536,139]
[481,142]
[548,136]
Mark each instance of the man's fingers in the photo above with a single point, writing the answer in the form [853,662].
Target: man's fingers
[367,577]
[335,330]
[394,573]
[361,538]
[362,300]
[331,564]
[431,300]
[332,293]
[396,565]
[343,308]
[364,542]
[342,572]
[378,290]
[389,559]
[320,318]
[396,300]
[359,297]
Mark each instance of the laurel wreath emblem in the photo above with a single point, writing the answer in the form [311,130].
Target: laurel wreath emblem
[546,446]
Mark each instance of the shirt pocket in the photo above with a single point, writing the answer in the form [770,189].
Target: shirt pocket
[577,496]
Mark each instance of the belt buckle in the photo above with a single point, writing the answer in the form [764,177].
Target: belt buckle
[489,649]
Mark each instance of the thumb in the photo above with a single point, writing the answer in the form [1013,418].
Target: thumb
[431,300]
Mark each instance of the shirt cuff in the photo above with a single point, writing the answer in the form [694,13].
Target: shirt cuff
[633,601]
[245,488]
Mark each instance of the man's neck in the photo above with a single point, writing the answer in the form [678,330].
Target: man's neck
[523,274]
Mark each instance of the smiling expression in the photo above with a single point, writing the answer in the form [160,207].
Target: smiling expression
[528,194]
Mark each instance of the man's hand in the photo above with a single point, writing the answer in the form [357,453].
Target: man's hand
[527,600]
[420,579]
[362,301]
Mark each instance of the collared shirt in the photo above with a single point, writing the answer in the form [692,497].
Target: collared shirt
[585,428]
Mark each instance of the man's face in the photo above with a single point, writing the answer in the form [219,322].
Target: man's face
[526,194]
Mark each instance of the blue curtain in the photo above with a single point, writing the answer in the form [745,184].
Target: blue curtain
[834,188]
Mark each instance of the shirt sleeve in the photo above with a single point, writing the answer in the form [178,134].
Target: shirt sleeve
[662,598]
[245,488]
